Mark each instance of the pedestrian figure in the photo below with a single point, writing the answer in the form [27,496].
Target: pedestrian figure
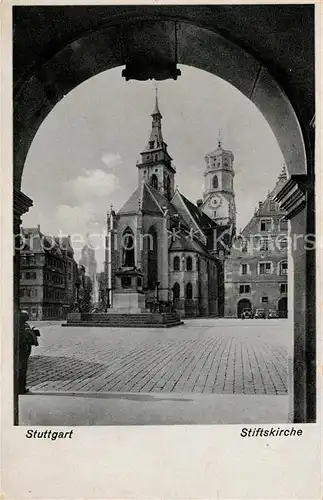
[27,338]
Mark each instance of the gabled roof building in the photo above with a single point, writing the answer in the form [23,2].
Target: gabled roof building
[257,267]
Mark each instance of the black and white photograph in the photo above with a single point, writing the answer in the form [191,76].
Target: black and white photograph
[164,216]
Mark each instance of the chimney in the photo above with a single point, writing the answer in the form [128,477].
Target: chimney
[260,203]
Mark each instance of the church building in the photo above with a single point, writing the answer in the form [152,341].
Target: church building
[167,241]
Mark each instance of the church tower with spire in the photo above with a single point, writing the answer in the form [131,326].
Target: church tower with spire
[156,166]
[218,196]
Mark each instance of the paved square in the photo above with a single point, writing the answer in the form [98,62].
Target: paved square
[202,356]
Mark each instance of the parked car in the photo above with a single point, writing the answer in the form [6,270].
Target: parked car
[260,314]
[273,314]
[247,314]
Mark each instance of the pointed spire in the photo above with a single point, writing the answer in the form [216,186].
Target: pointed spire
[219,139]
[156,110]
[156,137]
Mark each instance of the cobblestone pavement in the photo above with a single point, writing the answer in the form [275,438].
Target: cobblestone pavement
[202,356]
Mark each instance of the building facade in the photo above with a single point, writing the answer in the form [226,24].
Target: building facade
[46,276]
[71,272]
[89,263]
[166,237]
[256,270]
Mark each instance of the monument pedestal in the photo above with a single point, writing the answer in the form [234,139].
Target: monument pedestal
[127,302]
[128,297]
[127,308]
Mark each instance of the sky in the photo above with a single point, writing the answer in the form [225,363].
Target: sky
[83,157]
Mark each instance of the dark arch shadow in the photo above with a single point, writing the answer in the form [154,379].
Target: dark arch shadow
[127,40]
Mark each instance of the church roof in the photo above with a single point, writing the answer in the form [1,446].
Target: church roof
[145,198]
[162,201]
[186,242]
[203,220]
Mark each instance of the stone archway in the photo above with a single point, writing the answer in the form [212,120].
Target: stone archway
[150,42]
[243,304]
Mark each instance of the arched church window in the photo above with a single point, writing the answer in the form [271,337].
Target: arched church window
[152,258]
[176,292]
[215,182]
[189,264]
[189,291]
[176,263]
[154,181]
[128,248]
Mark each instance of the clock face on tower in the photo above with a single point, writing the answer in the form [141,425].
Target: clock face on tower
[215,201]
